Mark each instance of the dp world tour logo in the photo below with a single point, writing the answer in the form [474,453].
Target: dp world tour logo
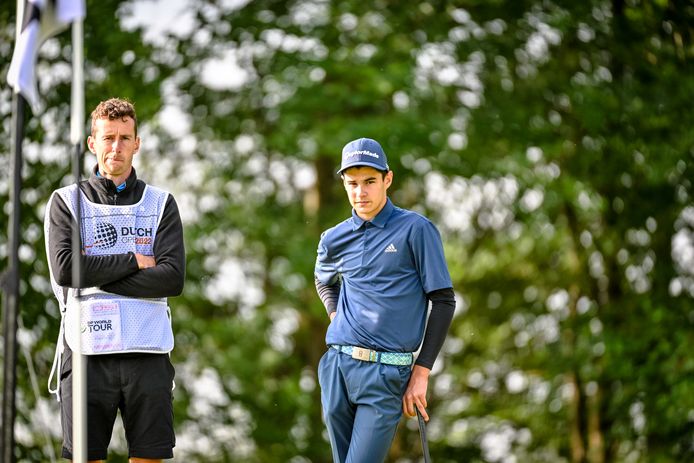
[105,235]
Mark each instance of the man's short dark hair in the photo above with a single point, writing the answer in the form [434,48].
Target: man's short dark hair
[111,109]
[383,173]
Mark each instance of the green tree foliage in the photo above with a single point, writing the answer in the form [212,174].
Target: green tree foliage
[550,140]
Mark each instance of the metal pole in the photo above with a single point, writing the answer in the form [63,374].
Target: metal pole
[11,283]
[11,293]
[79,361]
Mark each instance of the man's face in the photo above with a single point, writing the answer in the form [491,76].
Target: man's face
[114,143]
[367,190]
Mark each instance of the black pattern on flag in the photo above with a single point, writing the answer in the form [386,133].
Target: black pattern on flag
[42,19]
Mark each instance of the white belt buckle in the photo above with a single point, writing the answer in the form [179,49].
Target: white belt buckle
[360,353]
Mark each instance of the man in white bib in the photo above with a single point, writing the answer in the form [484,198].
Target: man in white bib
[133,260]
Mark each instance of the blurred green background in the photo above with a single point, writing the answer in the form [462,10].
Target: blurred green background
[551,141]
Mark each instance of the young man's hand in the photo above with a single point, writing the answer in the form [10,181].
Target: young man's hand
[416,393]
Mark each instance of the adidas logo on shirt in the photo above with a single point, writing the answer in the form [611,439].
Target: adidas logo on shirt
[391,248]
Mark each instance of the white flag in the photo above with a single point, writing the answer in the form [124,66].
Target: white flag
[42,19]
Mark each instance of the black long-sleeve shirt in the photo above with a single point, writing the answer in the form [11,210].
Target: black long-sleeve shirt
[119,273]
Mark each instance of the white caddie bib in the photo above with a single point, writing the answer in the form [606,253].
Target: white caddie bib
[111,323]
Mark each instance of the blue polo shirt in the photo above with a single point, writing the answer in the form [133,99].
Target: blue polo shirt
[387,265]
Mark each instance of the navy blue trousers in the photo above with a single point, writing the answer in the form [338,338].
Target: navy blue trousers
[362,405]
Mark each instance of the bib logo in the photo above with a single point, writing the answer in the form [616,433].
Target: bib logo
[97,325]
[136,235]
[105,235]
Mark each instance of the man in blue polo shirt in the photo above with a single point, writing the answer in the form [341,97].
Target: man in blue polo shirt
[376,273]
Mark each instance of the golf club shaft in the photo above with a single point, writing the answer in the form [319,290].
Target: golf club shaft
[423,436]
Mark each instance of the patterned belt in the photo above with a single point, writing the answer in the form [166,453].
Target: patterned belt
[368,355]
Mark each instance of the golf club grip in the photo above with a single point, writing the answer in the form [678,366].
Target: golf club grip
[423,436]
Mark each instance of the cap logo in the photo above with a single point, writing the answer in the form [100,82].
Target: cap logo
[357,153]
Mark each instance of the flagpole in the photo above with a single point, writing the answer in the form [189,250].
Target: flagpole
[11,290]
[79,361]
[11,278]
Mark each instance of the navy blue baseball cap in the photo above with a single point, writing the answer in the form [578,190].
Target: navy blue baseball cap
[363,152]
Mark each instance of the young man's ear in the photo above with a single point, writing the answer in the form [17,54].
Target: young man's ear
[388,180]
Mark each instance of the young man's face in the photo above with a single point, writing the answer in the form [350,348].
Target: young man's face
[366,189]
[114,143]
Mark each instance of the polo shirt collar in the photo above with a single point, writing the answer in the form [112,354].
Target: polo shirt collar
[379,221]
